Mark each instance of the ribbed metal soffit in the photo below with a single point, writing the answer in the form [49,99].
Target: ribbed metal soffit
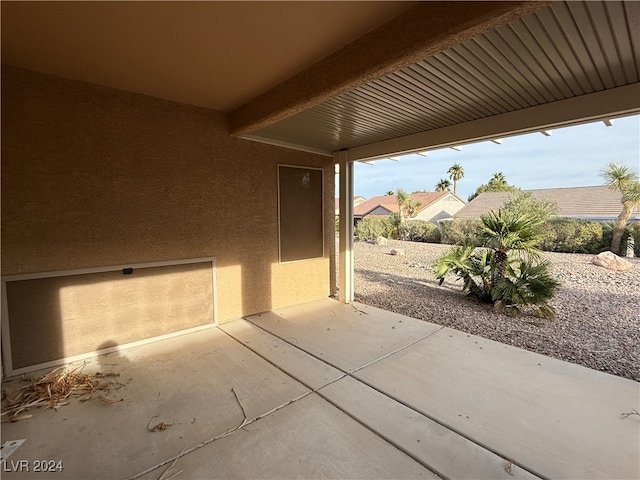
[566,50]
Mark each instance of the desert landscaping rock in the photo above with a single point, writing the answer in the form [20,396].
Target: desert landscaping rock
[381,241]
[611,261]
[597,324]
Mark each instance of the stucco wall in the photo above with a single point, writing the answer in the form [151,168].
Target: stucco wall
[444,208]
[93,176]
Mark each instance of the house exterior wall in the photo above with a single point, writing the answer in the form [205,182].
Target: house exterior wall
[443,208]
[93,176]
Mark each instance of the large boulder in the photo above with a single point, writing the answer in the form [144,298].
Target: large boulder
[611,261]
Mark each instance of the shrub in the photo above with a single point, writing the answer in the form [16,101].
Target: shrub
[571,235]
[607,237]
[635,233]
[394,226]
[420,231]
[462,231]
[521,203]
[370,228]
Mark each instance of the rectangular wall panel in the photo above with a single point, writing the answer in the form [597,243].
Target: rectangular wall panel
[66,316]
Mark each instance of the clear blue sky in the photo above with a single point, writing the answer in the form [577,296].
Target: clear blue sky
[570,157]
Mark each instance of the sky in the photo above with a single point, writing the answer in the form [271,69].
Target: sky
[570,157]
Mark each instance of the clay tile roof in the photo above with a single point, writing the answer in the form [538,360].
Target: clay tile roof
[390,202]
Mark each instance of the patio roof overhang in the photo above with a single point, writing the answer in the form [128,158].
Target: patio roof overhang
[528,68]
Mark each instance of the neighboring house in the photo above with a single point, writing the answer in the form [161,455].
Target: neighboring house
[356,201]
[597,204]
[434,206]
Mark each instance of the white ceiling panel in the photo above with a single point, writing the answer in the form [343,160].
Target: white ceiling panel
[568,50]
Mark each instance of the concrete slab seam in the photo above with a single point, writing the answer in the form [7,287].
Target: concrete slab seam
[312,390]
[349,374]
[386,355]
[245,423]
[187,451]
[344,375]
[452,429]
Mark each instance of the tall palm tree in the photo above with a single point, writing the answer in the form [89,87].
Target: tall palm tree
[443,185]
[498,182]
[456,172]
[624,180]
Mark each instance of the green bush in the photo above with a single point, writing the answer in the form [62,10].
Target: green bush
[420,231]
[571,235]
[370,228]
[635,233]
[607,237]
[462,231]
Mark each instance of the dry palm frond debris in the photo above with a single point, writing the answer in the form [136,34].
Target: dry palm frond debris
[56,388]
[162,426]
[628,414]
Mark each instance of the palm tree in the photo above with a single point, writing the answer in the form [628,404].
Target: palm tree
[456,172]
[443,185]
[498,182]
[624,180]
[403,199]
[507,230]
[508,272]
[406,204]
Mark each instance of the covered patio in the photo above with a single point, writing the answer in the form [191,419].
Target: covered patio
[187,148]
[330,390]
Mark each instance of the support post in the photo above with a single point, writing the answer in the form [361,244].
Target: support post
[345,276]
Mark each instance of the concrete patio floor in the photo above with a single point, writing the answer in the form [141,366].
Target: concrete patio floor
[338,391]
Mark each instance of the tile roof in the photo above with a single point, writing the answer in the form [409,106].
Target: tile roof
[390,202]
[596,203]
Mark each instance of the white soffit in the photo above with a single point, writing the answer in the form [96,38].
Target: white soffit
[568,63]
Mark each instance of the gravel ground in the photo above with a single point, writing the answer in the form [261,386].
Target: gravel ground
[598,311]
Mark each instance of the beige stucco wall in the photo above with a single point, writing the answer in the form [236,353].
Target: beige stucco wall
[93,176]
[443,208]
[63,316]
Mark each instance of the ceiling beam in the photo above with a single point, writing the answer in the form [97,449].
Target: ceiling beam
[420,32]
[617,102]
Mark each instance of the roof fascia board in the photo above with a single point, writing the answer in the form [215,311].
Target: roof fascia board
[422,31]
[617,102]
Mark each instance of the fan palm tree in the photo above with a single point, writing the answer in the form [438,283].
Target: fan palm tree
[456,172]
[508,272]
[624,180]
[506,230]
[443,185]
